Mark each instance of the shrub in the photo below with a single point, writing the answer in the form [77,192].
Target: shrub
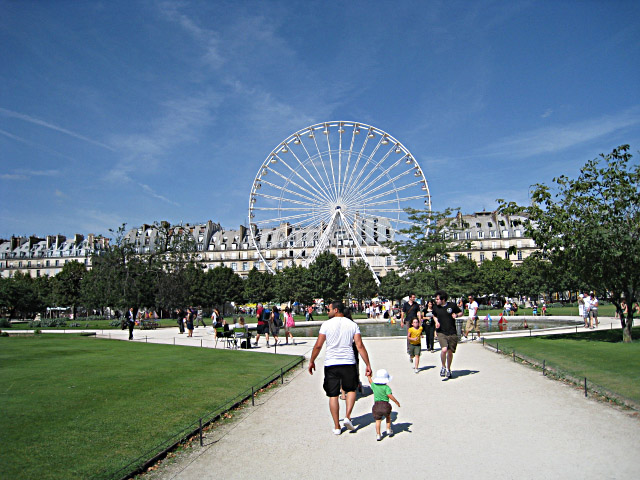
[5,323]
[4,334]
[114,323]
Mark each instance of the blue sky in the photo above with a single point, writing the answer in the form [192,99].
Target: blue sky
[134,111]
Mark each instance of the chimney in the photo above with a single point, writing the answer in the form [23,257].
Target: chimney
[77,238]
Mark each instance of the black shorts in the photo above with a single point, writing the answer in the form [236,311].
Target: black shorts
[336,376]
[262,329]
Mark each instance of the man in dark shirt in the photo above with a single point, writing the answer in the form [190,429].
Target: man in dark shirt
[410,311]
[446,313]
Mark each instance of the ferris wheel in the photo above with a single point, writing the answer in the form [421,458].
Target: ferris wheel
[339,186]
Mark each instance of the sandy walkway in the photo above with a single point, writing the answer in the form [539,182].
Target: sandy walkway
[495,419]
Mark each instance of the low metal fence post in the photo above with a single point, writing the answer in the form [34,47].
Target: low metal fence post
[514,355]
[585,386]
[281,376]
[201,432]
[544,368]
[253,396]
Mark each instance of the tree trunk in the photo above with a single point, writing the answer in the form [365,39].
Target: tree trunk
[626,331]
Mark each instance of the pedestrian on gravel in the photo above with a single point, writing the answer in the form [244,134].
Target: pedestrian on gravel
[446,313]
[414,337]
[340,369]
[381,396]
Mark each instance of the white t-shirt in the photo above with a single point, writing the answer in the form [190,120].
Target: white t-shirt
[339,332]
[473,309]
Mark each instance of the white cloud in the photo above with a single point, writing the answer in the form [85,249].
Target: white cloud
[42,123]
[12,176]
[560,137]
[151,192]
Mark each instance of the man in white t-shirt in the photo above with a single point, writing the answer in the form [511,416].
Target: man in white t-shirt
[340,370]
[472,321]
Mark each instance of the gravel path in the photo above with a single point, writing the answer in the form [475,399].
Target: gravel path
[495,419]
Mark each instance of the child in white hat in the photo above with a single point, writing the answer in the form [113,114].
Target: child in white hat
[381,395]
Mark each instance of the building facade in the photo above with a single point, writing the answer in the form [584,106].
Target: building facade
[490,235]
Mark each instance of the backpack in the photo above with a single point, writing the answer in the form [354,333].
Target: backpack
[277,319]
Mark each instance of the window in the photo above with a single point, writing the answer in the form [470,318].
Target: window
[518,233]
[456,235]
[505,234]
[245,255]
[480,234]
[478,225]
[519,244]
[481,257]
[468,235]
[339,252]
[494,245]
[245,266]
[279,266]
[493,233]
[234,266]
[506,255]
[389,261]
[519,255]
[494,255]
[469,256]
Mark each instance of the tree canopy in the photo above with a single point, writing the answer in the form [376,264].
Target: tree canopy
[591,225]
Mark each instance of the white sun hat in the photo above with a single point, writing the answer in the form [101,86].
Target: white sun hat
[382,377]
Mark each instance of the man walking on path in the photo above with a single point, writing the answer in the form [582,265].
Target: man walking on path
[409,311]
[446,313]
[472,322]
[340,370]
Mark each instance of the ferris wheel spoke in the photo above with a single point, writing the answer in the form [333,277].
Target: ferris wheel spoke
[313,189]
[280,219]
[361,154]
[395,188]
[288,180]
[390,219]
[324,167]
[313,163]
[346,171]
[395,200]
[333,173]
[370,159]
[284,199]
[395,192]
[314,199]
[375,184]
[320,193]
[359,184]
[364,194]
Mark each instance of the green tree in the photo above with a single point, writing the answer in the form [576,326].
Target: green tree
[430,241]
[496,276]
[259,286]
[67,286]
[20,296]
[531,277]
[222,286]
[293,284]
[461,277]
[329,277]
[394,287]
[592,224]
[362,284]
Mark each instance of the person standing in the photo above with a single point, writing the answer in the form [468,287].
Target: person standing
[263,325]
[593,310]
[446,313]
[472,321]
[274,325]
[586,309]
[340,369]
[131,321]
[289,323]
[180,314]
[429,326]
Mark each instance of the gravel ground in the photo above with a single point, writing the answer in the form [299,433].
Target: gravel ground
[495,419]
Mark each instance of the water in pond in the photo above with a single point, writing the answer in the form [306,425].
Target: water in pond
[394,330]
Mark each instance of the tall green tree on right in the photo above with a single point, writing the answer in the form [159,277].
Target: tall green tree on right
[591,225]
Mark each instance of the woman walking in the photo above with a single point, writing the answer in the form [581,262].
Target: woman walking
[288,323]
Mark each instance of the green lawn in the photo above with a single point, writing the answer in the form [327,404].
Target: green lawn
[78,407]
[600,356]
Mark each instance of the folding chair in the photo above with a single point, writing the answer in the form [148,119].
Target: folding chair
[239,334]
[220,335]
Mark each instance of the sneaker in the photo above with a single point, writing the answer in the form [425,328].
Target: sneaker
[443,372]
[415,370]
[337,431]
[268,346]
[378,437]
[347,423]
[410,359]
[448,374]
[255,344]
[390,431]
